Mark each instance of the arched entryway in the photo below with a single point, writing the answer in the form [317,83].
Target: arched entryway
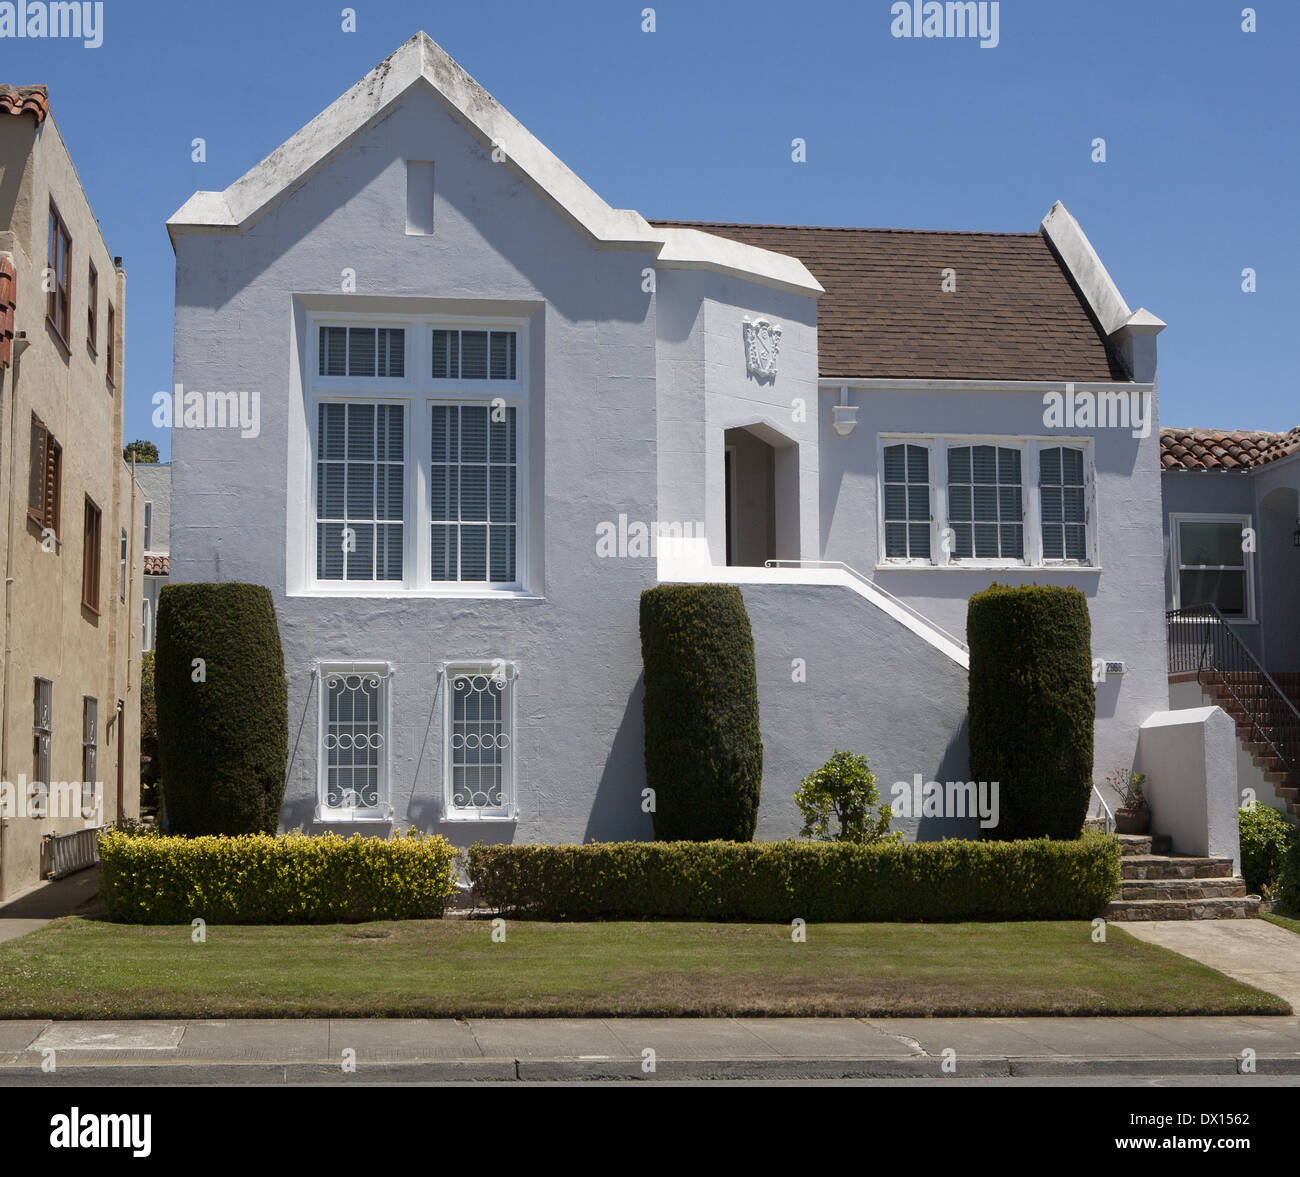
[761,487]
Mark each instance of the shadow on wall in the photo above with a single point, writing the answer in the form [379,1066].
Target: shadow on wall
[953,766]
[616,814]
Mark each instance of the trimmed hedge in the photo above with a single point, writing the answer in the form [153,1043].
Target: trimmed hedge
[261,879]
[703,746]
[1032,706]
[223,743]
[822,882]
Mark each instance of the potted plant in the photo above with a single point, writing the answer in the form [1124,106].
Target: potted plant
[1134,814]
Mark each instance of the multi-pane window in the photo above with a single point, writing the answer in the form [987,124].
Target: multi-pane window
[1212,565]
[42,730]
[473,492]
[90,553]
[148,526]
[985,509]
[479,755]
[354,741]
[59,302]
[44,477]
[907,502]
[360,491]
[1062,493]
[474,355]
[92,309]
[121,580]
[362,351]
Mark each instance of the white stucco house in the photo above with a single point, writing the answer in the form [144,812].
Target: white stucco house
[480,392]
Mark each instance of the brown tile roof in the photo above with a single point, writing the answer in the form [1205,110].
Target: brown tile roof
[157,565]
[25,100]
[1015,314]
[1217,449]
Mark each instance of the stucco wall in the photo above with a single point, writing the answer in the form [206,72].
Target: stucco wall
[51,634]
[592,414]
[1125,598]
[155,485]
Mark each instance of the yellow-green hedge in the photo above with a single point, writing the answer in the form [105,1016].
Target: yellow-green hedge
[270,879]
[822,881]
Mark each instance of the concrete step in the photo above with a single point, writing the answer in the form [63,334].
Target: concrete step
[1159,866]
[1233,888]
[1127,910]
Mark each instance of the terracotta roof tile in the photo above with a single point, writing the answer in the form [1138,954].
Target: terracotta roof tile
[1015,313]
[157,565]
[25,100]
[1217,449]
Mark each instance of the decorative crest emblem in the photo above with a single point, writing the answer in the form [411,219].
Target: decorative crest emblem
[762,346]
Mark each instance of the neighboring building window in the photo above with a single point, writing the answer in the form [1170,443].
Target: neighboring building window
[112,345]
[360,491]
[985,509]
[148,527]
[354,737]
[1212,568]
[121,592]
[362,351]
[907,502]
[473,490]
[146,626]
[45,477]
[92,309]
[60,266]
[43,731]
[89,740]
[478,755]
[1062,491]
[90,557]
[474,355]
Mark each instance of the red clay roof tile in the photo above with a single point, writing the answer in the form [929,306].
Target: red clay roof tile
[1217,449]
[25,100]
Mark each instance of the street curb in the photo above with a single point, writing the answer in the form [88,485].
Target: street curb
[234,1073]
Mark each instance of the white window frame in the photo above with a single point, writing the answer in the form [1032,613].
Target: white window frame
[383,810]
[1176,519]
[1031,503]
[508,810]
[418,392]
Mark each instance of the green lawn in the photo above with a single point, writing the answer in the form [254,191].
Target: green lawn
[440,968]
[1282,922]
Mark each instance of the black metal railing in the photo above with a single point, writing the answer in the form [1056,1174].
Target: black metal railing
[1201,640]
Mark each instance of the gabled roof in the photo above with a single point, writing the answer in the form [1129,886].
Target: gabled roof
[420,62]
[25,100]
[1216,449]
[1015,314]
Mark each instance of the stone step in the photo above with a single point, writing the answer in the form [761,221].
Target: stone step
[1133,910]
[1140,844]
[1233,888]
[1159,866]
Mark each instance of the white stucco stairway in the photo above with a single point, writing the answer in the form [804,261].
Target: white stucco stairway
[1163,886]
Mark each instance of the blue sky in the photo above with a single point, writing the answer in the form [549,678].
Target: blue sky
[695,121]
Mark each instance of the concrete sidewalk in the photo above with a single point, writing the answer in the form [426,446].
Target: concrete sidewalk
[1254,951]
[497,1049]
[45,902]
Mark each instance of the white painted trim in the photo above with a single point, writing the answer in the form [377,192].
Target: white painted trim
[1090,276]
[1175,555]
[421,63]
[892,383]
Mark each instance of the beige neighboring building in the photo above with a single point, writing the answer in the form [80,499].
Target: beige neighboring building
[72,529]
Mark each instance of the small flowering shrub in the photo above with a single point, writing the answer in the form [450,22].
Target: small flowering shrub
[274,879]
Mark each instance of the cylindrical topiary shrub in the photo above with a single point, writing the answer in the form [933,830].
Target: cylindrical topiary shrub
[703,747]
[223,718]
[1032,706]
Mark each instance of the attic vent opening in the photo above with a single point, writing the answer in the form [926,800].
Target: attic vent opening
[419,198]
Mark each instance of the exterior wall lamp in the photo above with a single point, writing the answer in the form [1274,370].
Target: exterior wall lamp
[844,416]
